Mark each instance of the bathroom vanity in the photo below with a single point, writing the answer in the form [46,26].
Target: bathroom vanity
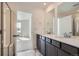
[51,45]
[62,32]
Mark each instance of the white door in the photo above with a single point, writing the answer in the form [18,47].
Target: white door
[23,31]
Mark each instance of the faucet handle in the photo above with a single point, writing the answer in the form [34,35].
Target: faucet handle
[70,33]
[65,34]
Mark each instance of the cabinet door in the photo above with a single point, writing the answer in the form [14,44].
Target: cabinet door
[43,47]
[51,50]
[38,44]
[72,50]
[62,53]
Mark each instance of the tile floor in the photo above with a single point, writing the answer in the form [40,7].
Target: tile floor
[29,53]
[24,48]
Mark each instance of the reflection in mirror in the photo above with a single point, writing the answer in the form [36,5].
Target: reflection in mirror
[54,21]
[48,22]
[68,18]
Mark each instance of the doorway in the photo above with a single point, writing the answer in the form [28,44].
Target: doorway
[23,32]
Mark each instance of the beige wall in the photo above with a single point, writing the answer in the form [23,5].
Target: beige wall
[38,20]
[38,23]
[48,22]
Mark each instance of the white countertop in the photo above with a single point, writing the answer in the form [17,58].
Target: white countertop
[74,40]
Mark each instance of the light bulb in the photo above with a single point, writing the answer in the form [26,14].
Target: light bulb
[44,4]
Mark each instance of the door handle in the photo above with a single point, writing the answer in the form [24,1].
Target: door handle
[16,35]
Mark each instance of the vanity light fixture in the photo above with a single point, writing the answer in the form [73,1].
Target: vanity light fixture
[44,4]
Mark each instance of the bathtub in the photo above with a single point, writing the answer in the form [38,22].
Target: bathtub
[23,44]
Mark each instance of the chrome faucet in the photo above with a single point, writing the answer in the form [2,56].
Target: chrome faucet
[67,35]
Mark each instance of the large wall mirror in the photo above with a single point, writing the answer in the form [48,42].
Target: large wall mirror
[68,18]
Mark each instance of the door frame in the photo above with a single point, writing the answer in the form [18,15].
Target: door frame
[30,30]
[2,26]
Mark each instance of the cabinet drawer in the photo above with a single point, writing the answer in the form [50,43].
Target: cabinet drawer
[51,50]
[55,43]
[40,36]
[48,40]
[72,50]
[62,53]
[43,38]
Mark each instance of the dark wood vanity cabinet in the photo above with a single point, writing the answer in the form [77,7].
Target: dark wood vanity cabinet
[50,50]
[51,47]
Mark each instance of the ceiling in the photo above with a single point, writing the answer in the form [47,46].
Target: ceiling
[28,5]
